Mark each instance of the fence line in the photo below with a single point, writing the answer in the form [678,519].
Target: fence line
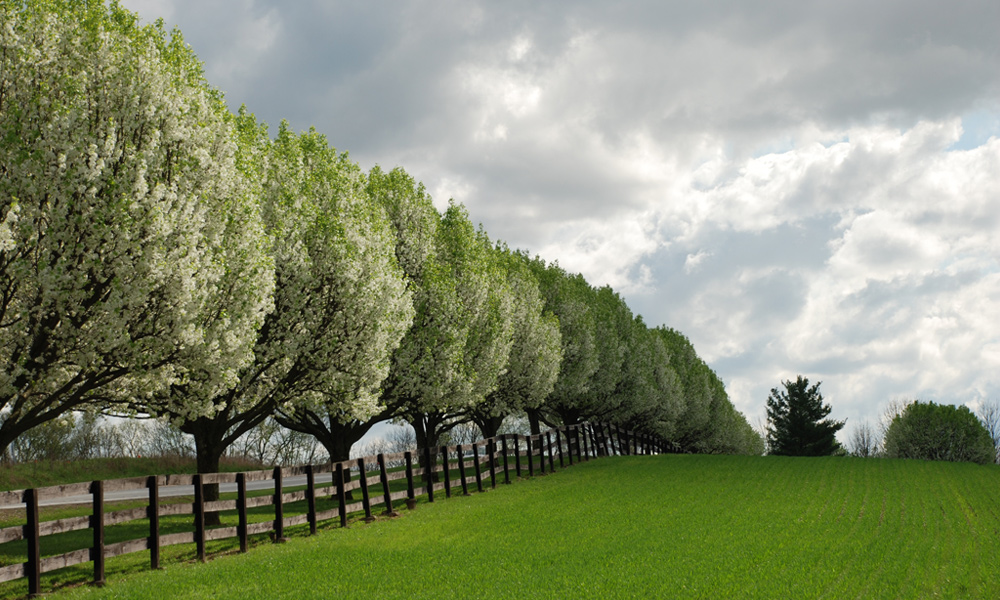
[486,462]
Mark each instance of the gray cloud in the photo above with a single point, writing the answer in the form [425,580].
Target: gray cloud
[778,180]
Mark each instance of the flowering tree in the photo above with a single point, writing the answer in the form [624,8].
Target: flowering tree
[533,364]
[708,422]
[649,390]
[118,188]
[568,297]
[340,302]
[414,222]
[478,316]
[613,330]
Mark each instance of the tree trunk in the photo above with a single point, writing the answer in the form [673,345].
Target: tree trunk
[336,437]
[570,416]
[208,455]
[426,428]
[535,422]
[490,426]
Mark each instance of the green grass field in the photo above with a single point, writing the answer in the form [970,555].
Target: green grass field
[667,526]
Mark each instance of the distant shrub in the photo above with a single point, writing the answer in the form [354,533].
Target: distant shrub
[938,432]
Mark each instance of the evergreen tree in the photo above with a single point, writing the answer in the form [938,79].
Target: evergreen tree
[797,423]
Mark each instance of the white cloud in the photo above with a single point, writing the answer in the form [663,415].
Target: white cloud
[152,9]
[810,188]
[519,49]
[900,300]
[693,261]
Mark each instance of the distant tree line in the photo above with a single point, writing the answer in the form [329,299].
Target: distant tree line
[930,431]
[163,257]
[798,425]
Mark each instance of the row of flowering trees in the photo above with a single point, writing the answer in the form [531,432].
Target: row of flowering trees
[160,255]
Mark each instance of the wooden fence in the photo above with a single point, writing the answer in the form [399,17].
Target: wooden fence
[485,463]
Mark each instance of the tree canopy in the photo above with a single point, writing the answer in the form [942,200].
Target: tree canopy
[119,198]
[932,431]
[340,301]
[161,255]
[533,363]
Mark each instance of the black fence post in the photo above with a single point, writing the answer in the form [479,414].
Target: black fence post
[411,496]
[341,495]
[199,517]
[447,471]
[311,498]
[279,507]
[34,564]
[460,451]
[429,473]
[365,499]
[386,492]
[475,461]
[241,511]
[153,514]
[97,523]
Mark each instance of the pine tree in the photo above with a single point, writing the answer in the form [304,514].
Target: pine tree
[797,423]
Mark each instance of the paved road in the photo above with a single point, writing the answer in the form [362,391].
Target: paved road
[176,490]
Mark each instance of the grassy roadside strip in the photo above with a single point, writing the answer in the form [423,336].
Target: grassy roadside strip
[666,526]
[23,476]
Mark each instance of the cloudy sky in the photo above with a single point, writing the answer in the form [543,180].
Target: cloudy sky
[800,187]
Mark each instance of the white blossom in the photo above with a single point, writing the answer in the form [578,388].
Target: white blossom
[116,246]
[340,300]
[532,367]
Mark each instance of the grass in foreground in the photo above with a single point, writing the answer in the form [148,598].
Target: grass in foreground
[668,526]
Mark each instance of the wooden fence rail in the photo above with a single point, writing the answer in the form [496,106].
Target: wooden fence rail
[500,459]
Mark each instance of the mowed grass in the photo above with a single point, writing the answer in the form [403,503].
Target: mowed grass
[666,526]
